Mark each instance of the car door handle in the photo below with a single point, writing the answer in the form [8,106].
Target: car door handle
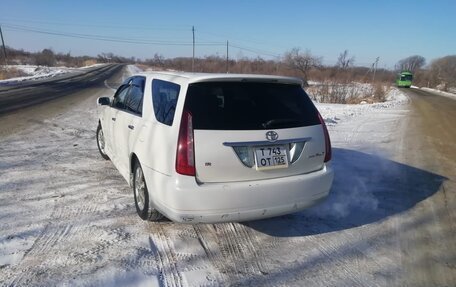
[131,127]
[114,119]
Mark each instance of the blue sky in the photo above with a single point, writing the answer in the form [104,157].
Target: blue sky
[391,30]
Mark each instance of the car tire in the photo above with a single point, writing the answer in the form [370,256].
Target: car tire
[141,194]
[101,142]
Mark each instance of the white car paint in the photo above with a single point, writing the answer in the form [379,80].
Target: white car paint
[222,189]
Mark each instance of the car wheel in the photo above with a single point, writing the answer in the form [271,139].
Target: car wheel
[101,142]
[145,211]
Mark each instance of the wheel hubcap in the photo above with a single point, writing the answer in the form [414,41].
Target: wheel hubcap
[101,142]
[140,189]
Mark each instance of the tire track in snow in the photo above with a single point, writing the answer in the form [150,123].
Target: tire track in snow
[106,239]
[232,248]
[166,258]
[60,222]
[50,237]
[61,230]
[73,234]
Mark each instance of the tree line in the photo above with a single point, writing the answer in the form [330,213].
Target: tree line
[439,73]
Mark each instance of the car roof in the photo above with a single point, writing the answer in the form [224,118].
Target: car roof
[209,77]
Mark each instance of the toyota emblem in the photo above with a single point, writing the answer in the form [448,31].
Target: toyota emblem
[272,136]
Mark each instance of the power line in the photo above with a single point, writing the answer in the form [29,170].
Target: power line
[249,49]
[256,51]
[126,40]
[137,41]
[109,38]
[242,40]
[154,28]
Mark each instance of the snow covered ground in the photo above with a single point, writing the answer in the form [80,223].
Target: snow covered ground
[335,113]
[68,218]
[353,92]
[438,92]
[34,72]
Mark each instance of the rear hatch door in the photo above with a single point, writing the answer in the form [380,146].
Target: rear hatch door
[252,130]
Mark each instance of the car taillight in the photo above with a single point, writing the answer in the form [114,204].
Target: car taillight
[185,159]
[328,152]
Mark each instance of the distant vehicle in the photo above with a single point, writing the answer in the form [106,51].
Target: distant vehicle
[404,79]
[216,147]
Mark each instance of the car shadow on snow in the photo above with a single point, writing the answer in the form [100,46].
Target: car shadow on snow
[367,188]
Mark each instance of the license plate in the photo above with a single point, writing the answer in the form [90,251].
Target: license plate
[270,157]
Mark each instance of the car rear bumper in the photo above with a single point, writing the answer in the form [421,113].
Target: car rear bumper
[182,199]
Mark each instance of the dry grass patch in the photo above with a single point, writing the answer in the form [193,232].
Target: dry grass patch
[8,73]
[348,93]
[89,63]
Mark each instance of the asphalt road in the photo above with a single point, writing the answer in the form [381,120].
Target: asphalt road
[429,143]
[24,94]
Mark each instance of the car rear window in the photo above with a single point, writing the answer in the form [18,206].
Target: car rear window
[164,98]
[249,106]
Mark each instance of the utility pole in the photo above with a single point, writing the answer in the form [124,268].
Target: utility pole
[374,66]
[3,44]
[227,59]
[193,58]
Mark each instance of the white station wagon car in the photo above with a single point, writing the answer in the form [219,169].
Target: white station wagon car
[216,147]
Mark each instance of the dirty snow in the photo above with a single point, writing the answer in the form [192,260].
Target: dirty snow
[439,92]
[132,69]
[334,113]
[34,72]
[67,217]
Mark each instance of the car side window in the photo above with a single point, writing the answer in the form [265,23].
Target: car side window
[164,99]
[120,97]
[134,101]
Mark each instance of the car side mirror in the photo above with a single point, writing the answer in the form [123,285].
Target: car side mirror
[104,101]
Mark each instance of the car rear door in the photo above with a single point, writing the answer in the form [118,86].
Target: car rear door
[129,124]
[253,130]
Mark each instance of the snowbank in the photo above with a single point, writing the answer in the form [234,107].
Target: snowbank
[334,113]
[34,72]
[132,69]
[438,92]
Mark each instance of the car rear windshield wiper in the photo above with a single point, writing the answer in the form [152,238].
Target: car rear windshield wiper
[281,123]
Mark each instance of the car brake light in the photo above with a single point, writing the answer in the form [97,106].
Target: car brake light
[185,158]
[328,152]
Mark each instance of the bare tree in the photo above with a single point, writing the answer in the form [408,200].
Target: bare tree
[302,61]
[46,58]
[444,69]
[412,63]
[158,61]
[105,57]
[344,61]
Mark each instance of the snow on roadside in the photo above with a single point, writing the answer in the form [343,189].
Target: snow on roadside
[132,69]
[438,92]
[334,113]
[34,72]
[359,133]
[343,92]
